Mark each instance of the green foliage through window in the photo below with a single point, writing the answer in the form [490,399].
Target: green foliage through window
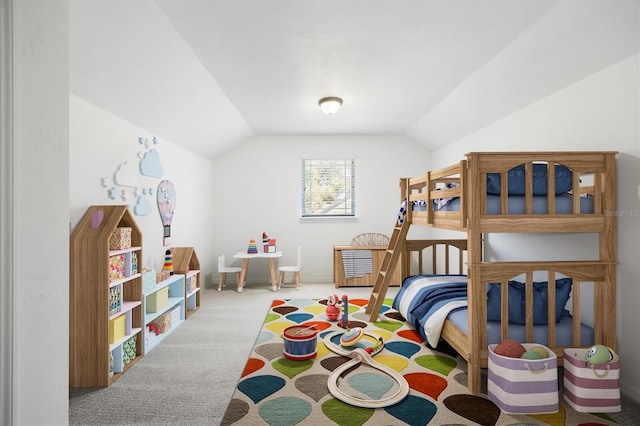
[328,187]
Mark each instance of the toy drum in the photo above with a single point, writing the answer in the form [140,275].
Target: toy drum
[300,342]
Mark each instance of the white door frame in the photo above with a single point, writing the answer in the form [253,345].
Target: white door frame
[6,214]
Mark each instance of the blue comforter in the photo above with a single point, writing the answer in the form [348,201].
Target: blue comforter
[426,300]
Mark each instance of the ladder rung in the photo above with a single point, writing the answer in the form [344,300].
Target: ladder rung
[382,279]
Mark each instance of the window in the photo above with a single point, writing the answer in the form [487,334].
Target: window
[328,187]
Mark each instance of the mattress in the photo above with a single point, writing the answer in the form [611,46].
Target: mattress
[564,330]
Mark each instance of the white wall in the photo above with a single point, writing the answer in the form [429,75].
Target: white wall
[599,112]
[40,213]
[252,188]
[257,188]
[100,143]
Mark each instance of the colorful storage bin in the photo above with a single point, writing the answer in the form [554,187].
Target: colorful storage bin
[158,300]
[120,238]
[111,365]
[148,280]
[591,388]
[116,329]
[523,386]
[115,303]
[129,350]
[162,324]
[116,267]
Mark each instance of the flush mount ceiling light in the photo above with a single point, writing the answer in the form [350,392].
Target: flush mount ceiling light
[330,105]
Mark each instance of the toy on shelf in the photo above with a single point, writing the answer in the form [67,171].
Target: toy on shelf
[168,262]
[252,247]
[332,311]
[268,244]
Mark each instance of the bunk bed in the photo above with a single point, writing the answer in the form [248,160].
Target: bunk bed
[515,192]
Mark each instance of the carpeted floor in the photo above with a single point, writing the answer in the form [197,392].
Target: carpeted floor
[190,377]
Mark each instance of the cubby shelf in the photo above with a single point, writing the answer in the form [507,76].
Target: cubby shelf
[126,337]
[164,308]
[126,306]
[124,280]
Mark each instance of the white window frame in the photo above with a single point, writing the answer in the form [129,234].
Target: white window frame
[345,169]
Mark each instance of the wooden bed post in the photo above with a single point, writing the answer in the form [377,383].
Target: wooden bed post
[404,194]
[607,248]
[475,289]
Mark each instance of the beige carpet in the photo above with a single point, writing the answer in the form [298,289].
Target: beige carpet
[189,379]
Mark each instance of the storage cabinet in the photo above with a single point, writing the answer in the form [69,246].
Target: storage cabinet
[105,296]
[164,308]
[185,261]
[377,254]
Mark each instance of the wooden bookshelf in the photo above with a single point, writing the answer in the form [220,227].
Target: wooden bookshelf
[185,261]
[105,309]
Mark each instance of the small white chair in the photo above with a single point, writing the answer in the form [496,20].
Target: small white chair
[224,270]
[295,269]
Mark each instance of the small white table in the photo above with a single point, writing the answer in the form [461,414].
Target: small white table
[246,257]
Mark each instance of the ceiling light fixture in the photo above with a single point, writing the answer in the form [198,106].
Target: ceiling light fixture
[330,105]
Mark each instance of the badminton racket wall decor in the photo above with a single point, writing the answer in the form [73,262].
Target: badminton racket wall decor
[166,206]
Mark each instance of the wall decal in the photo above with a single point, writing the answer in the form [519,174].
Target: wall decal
[134,182]
[150,164]
[125,175]
[142,207]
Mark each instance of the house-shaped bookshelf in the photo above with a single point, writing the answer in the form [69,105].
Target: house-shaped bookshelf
[105,296]
[185,261]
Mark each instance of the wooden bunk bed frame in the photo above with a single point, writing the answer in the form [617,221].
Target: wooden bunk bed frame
[470,175]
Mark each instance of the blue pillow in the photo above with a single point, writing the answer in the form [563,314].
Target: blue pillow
[516,180]
[517,312]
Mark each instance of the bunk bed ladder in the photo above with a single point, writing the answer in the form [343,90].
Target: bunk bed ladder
[389,261]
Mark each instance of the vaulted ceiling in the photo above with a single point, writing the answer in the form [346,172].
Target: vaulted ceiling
[208,74]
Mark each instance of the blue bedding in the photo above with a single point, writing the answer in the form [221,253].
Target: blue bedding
[426,301]
[516,204]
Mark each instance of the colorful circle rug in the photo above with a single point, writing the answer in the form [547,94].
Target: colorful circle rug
[276,390]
